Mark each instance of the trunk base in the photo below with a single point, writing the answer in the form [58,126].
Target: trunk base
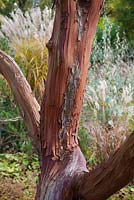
[58,179]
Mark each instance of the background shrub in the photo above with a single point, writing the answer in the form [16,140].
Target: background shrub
[24,37]
[27,35]
[109,99]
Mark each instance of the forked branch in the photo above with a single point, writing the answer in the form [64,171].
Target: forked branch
[111,176]
[29,107]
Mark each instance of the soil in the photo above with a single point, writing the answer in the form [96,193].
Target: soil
[14,190]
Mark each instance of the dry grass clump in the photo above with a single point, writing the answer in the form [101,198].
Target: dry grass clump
[31,24]
[28,34]
[32,56]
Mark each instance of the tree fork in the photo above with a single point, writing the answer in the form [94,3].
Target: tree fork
[110,176]
[64,175]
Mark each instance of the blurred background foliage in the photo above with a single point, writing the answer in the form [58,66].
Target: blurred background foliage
[120,11]
[108,109]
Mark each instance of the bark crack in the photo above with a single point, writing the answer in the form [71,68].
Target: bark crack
[67,108]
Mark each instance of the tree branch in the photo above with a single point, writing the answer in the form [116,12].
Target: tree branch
[29,107]
[111,176]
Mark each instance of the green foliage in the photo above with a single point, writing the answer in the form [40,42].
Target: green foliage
[17,166]
[126,193]
[5,46]
[24,4]
[84,141]
[110,89]
[109,100]
[86,145]
[3,3]
[122,11]
[13,136]
[31,54]
[7,6]
[18,176]
[44,3]
[107,24]
[131,124]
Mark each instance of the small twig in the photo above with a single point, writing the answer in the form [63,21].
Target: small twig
[11,120]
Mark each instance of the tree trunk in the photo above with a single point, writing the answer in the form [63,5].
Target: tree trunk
[69,50]
[64,175]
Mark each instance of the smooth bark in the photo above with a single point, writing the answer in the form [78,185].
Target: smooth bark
[29,107]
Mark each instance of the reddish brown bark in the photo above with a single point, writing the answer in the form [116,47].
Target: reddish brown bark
[111,176]
[64,175]
[69,50]
[29,107]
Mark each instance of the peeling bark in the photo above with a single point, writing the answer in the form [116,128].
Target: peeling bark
[64,175]
[29,107]
[69,49]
